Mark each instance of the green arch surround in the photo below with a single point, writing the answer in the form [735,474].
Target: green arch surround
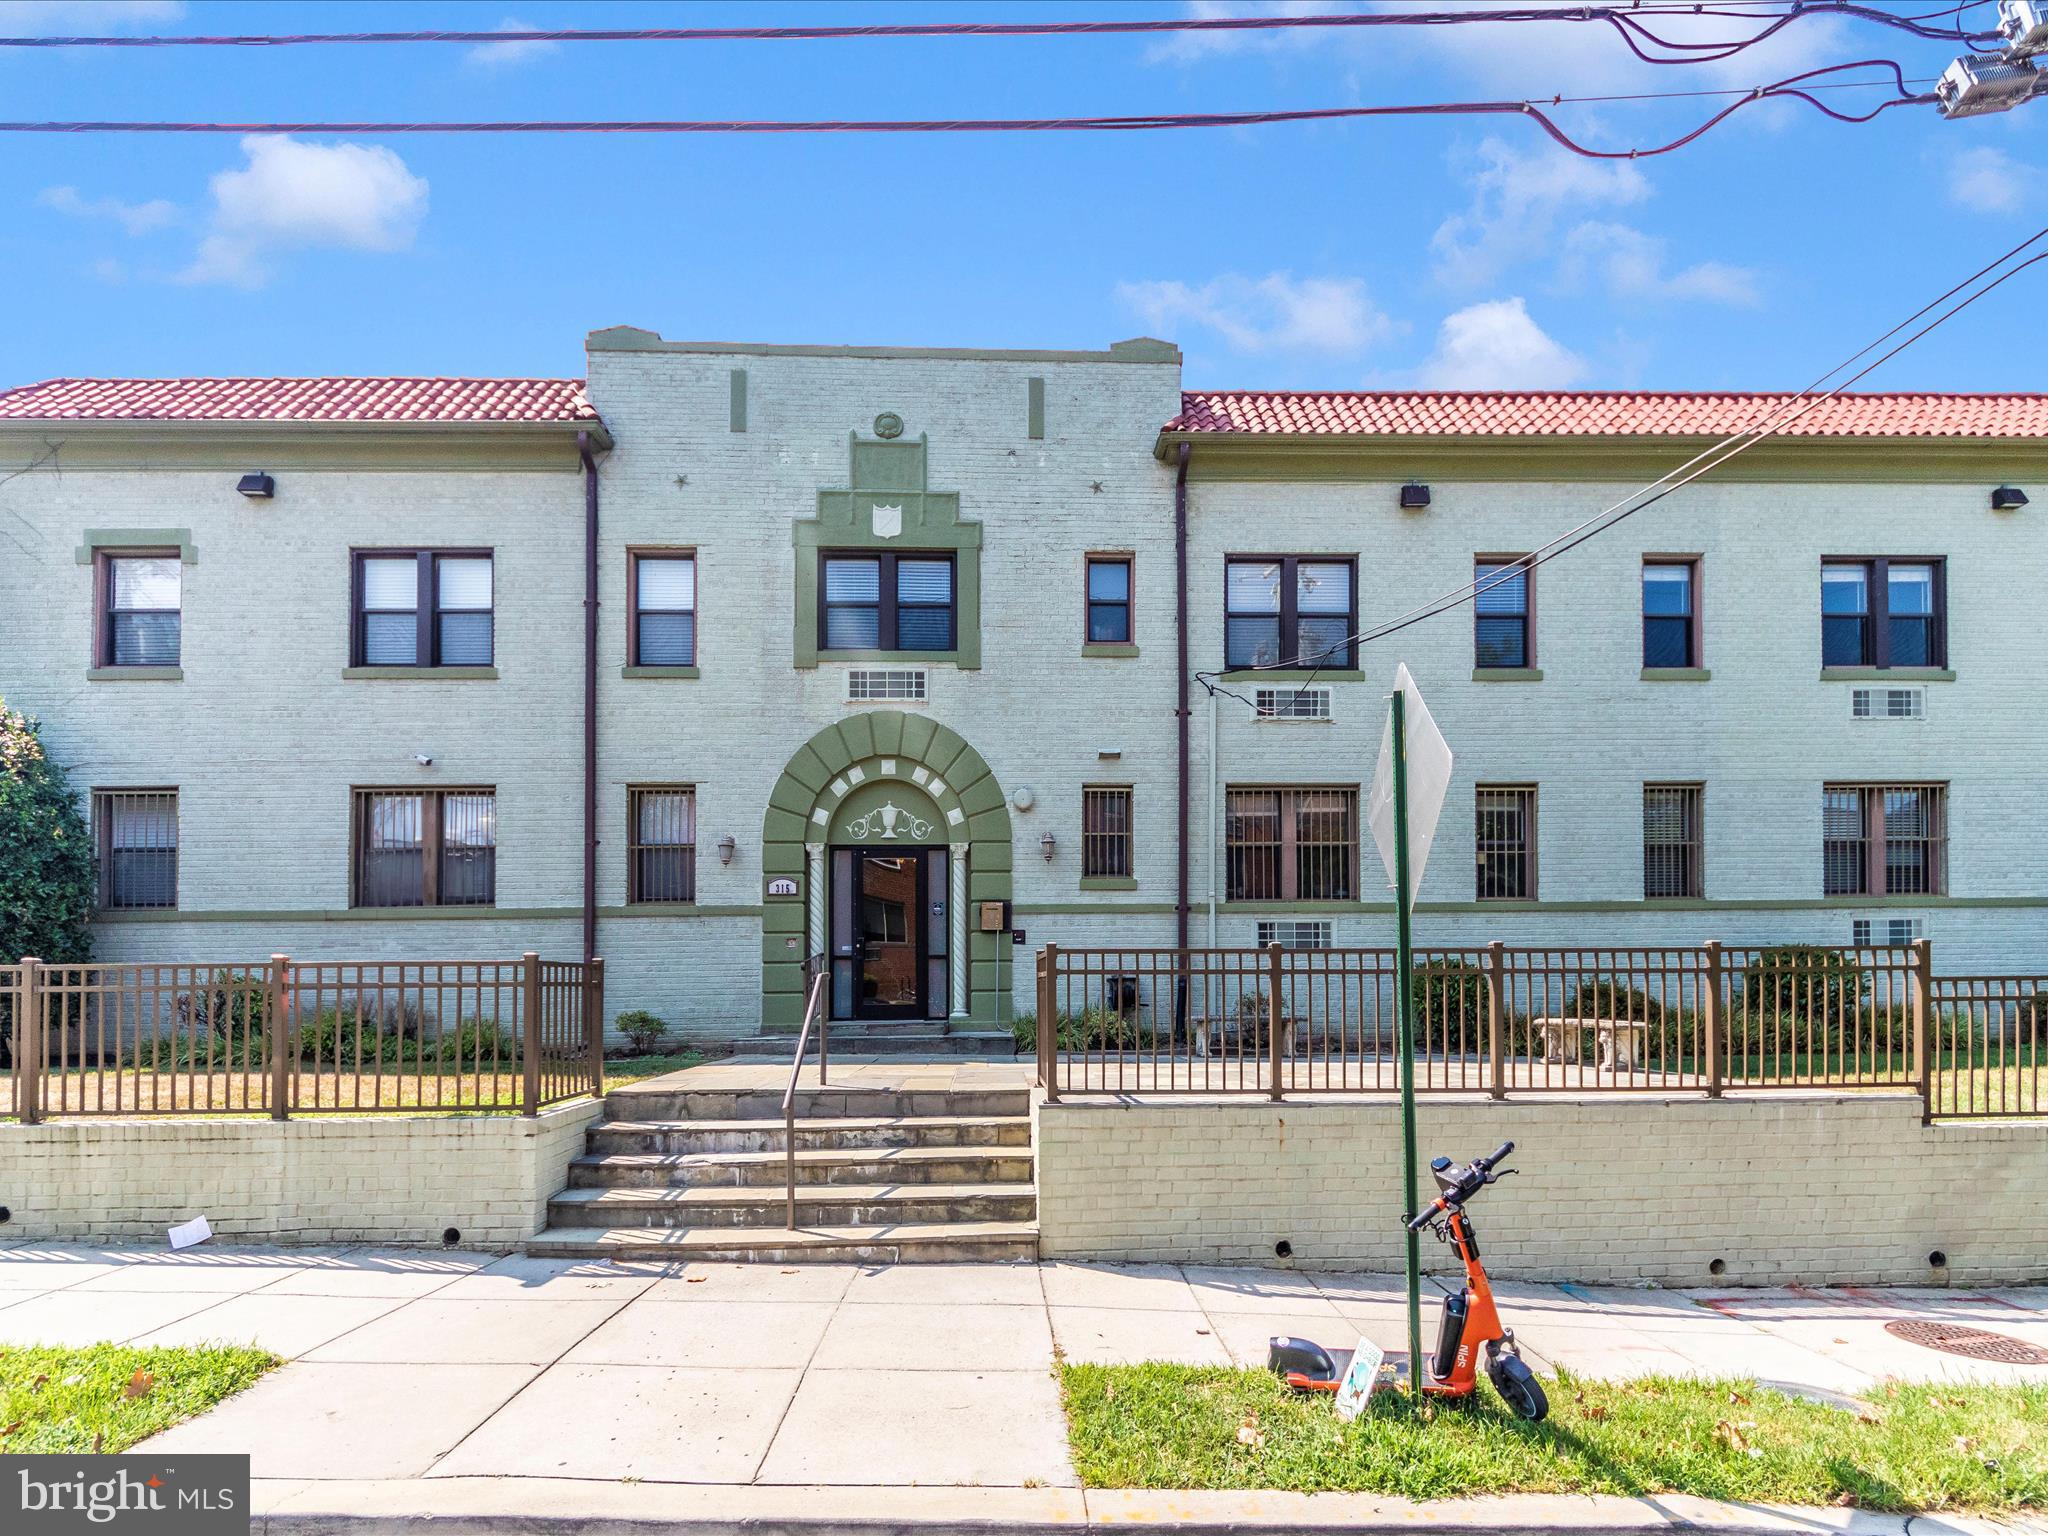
[865,748]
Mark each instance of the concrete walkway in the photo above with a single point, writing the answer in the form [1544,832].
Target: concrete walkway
[452,1372]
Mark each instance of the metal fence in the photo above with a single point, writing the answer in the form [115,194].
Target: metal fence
[1498,1019]
[289,1037]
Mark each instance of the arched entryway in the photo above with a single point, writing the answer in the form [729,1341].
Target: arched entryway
[882,840]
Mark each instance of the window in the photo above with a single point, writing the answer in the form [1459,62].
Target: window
[1886,612]
[1672,841]
[886,603]
[1898,932]
[1291,844]
[1288,611]
[140,596]
[1671,621]
[664,630]
[135,832]
[661,843]
[1109,599]
[1500,613]
[1106,832]
[433,848]
[423,608]
[1294,935]
[1506,843]
[1884,839]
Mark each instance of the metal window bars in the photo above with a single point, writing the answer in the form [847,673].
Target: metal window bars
[1673,844]
[1106,831]
[135,838]
[661,843]
[1504,842]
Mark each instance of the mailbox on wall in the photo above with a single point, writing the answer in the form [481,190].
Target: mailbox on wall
[995,916]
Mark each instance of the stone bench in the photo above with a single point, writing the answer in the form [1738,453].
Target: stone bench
[1617,1043]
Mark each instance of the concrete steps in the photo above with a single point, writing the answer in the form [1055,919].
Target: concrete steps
[883,1174]
[923,1041]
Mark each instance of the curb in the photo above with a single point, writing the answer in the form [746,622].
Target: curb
[566,1507]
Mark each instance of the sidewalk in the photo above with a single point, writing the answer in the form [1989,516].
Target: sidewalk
[463,1387]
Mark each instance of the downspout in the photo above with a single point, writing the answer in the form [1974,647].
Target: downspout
[589,695]
[1180,571]
[1209,838]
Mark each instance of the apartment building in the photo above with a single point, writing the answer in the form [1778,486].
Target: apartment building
[727,656]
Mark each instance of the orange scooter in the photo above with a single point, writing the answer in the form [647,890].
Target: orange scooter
[1470,1319]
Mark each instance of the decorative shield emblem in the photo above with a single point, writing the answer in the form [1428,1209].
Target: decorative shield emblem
[888,521]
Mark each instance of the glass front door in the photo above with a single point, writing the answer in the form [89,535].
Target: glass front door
[889,934]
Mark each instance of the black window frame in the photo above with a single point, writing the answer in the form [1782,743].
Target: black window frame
[1527,616]
[427,610]
[1690,619]
[888,604]
[104,609]
[1289,616]
[1090,604]
[1875,622]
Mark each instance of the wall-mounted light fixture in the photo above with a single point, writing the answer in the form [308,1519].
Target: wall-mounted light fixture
[257,487]
[727,848]
[1023,797]
[1414,496]
[2008,498]
[424,759]
[1046,844]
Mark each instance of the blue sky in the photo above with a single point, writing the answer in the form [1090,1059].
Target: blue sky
[1454,252]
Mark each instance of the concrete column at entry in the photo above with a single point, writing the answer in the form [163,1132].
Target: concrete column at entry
[817,893]
[957,869]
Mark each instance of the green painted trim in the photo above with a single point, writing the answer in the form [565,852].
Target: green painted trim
[1507,674]
[97,539]
[1299,677]
[1755,904]
[1886,675]
[739,400]
[1395,458]
[1108,649]
[1109,883]
[135,674]
[1676,674]
[352,915]
[1034,407]
[633,338]
[419,674]
[675,909]
[659,672]
[1091,908]
[285,448]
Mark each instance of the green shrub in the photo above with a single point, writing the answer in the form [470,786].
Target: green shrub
[1449,997]
[1607,998]
[47,876]
[2030,1020]
[1801,980]
[643,1029]
[475,1044]
[356,1034]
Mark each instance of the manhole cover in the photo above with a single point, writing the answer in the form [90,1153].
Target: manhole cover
[1972,1343]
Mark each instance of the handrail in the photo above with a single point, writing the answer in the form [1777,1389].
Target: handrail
[818,972]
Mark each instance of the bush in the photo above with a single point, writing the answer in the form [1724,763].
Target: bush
[2030,1021]
[46,861]
[1449,996]
[1607,998]
[474,1045]
[1803,981]
[355,1034]
[643,1029]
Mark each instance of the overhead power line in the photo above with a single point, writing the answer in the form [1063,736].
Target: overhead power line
[1631,21]
[1796,87]
[1705,462]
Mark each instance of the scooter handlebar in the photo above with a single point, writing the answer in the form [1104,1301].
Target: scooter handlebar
[1486,1164]
[1428,1215]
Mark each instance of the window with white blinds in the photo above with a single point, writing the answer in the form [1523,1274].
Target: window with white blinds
[140,624]
[661,843]
[664,610]
[890,602]
[424,608]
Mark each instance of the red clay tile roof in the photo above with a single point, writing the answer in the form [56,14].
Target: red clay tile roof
[309,400]
[1574,414]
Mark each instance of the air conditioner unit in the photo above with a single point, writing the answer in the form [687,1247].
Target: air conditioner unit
[2024,26]
[1978,83]
[1898,932]
[896,685]
[1888,703]
[1292,703]
[1295,935]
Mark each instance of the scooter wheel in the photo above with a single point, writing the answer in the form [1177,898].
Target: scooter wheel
[1519,1388]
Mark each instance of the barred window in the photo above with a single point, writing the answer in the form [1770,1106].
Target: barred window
[431,848]
[661,843]
[135,832]
[423,608]
[140,601]
[1291,844]
[664,631]
[1106,831]
[1672,841]
[1506,842]
[1884,839]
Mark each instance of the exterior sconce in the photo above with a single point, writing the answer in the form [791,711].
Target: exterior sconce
[1046,844]
[1414,496]
[257,487]
[726,848]
[2008,498]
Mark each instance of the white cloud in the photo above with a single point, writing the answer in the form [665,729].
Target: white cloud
[1516,201]
[134,218]
[1189,47]
[296,195]
[509,55]
[1630,264]
[1987,180]
[1497,346]
[38,18]
[1277,312]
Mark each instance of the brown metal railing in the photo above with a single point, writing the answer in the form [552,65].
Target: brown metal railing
[818,976]
[306,1038]
[1501,1019]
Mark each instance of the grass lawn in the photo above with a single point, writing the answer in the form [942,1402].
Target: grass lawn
[634,1069]
[105,1397]
[1918,1448]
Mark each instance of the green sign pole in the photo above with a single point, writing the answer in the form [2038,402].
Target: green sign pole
[1404,1014]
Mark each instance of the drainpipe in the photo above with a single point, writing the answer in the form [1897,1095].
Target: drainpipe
[1209,833]
[589,695]
[1180,572]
